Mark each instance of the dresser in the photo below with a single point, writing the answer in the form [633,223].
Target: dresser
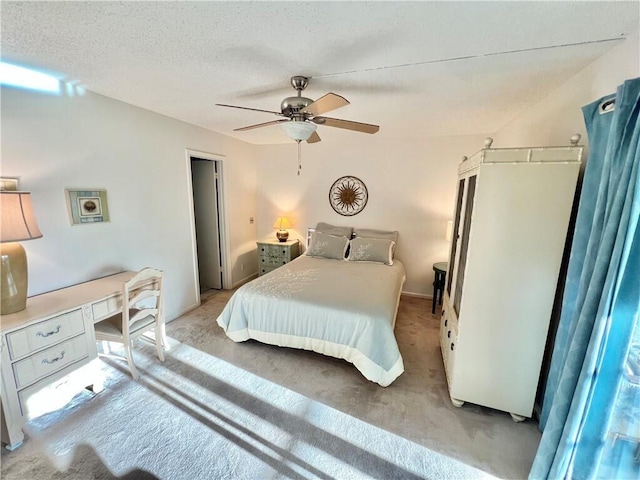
[274,254]
[51,338]
[510,225]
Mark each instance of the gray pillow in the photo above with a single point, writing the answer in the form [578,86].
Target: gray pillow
[334,230]
[327,246]
[370,233]
[378,250]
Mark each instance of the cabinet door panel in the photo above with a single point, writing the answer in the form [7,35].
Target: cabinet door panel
[454,242]
[464,242]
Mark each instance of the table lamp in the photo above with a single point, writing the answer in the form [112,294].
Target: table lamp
[282,223]
[17,223]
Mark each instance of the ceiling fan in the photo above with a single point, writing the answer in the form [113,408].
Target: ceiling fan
[303,114]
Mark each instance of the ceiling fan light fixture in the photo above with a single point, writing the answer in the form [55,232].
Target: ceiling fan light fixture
[299,130]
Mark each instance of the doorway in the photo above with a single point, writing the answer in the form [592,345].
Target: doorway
[207,201]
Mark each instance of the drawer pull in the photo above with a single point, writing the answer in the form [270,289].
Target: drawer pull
[49,362]
[48,334]
[449,334]
[452,347]
[446,322]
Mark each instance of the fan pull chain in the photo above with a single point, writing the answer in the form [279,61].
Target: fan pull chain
[299,159]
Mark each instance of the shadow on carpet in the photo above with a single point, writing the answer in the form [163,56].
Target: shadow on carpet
[198,417]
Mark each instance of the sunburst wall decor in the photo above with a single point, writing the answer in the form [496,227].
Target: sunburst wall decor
[348,196]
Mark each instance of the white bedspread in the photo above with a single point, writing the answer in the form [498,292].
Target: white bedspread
[342,309]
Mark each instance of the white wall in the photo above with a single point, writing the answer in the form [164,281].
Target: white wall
[411,185]
[53,142]
[553,120]
[139,157]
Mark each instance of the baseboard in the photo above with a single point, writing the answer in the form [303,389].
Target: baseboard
[182,312]
[419,295]
[244,280]
[196,305]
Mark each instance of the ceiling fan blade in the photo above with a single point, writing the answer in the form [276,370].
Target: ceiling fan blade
[347,124]
[329,102]
[247,108]
[314,138]
[259,125]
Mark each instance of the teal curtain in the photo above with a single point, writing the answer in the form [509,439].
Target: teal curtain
[587,392]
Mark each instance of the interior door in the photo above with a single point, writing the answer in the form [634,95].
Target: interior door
[205,205]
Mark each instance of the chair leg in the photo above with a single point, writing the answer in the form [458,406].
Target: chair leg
[105,347]
[159,343]
[163,337]
[128,347]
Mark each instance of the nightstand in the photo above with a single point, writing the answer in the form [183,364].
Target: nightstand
[274,254]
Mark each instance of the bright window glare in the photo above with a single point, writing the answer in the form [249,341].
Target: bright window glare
[15,76]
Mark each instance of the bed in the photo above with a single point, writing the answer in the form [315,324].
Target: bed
[344,308]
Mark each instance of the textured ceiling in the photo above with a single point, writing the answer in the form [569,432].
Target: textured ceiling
[180,58]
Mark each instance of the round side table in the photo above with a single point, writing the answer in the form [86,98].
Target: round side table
[440,270]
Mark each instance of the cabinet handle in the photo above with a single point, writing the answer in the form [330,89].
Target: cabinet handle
[452,347]
[446,322]
[449,334]
[48,334]
[49,362]
[263,249]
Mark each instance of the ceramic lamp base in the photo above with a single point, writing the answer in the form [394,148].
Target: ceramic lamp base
[282,235]
[13,278]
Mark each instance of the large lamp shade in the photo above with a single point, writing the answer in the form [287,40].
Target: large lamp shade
[17,223]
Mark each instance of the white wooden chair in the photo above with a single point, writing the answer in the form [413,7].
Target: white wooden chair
[142,311]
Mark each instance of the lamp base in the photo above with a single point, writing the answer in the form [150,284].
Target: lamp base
[282,235]
[13,278]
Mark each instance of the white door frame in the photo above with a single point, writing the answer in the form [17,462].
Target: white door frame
[222,219]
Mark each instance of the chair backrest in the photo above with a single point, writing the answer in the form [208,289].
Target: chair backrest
[146,284]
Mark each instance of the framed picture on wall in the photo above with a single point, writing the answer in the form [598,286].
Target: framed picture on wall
[8,183]
[87,205]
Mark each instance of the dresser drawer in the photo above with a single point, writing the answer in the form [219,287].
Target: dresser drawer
[43,334]
[49,361]
[273,251]
[106,308]
[85,378]
[273,261]
[264,270]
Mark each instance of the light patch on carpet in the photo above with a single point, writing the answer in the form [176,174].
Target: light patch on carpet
[199,417]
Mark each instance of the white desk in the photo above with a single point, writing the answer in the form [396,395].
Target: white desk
[51,338]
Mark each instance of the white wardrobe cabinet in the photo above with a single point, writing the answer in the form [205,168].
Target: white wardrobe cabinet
[510,224]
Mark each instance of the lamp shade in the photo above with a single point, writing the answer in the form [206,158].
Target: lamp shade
[282,223]
[17,221]
[299,130]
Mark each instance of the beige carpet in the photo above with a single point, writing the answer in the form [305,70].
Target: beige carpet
[257,411]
